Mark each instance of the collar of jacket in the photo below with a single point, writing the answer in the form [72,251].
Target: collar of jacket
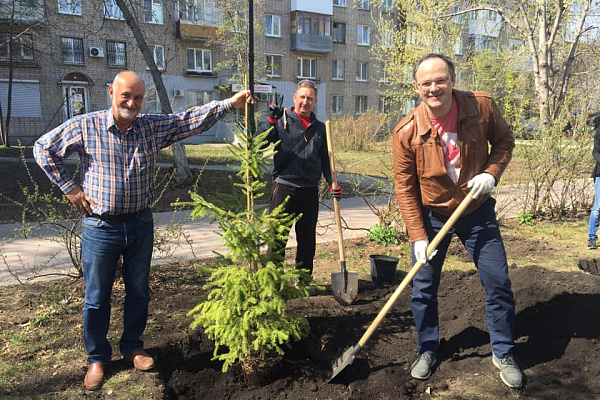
[467,107]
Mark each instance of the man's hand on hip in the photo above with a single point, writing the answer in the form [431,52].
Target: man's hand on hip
[80,200]
[481,184]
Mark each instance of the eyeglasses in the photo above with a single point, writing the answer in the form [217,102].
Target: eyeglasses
[306,82]
[438,82]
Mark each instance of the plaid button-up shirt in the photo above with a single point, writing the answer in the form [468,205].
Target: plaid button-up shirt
[117,169]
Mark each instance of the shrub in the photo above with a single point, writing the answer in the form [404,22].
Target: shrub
[384,234]
[359,133]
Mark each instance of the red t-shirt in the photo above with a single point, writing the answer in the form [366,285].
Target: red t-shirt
[305,120]
[447,127]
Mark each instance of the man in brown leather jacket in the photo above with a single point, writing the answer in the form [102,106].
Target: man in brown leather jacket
[452,143]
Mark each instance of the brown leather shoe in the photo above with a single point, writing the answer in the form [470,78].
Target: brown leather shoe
[141,360]
[94,376]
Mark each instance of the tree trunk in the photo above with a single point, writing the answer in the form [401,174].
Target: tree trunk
[184,173]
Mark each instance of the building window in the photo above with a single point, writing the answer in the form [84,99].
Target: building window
[200,97]
[339,32]
[307,68]
[202,11]
[363,35]
[199,60]
[21,47]
[383,74]
[458,18]
[362,71]
[387,6]
[361,105]
[115,54]
[339,3]
[72,7]
[158,52]
[458,46]
[273,24]
[385,105]
[387,38]
[339,70]
[310,24]
[337,105]
[112,10]
[362,4]
[72,50]
[153,12]
[151,101]
[273,63]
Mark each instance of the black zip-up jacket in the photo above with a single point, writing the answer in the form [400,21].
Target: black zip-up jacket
[302,155]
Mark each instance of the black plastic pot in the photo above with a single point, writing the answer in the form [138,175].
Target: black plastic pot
[383,268]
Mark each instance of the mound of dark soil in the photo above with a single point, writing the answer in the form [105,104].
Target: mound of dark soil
[558,328]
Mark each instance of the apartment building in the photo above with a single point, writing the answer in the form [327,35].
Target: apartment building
[58,57]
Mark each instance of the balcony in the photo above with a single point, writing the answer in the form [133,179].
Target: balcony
[312,43]
[193,31]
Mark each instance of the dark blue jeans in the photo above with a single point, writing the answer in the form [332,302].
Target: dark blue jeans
[480,234]
[102,244]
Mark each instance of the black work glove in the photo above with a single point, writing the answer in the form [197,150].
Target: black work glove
[275,111]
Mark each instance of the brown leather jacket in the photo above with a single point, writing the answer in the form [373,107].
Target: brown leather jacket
[419,170]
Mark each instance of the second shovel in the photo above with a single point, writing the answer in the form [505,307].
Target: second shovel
[344,284]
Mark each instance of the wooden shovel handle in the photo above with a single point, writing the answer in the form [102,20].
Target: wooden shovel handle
[413,271]
[336,205]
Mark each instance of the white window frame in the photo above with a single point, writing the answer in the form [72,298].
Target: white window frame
[270,61]
[387,38]
[120,52]
[383,74]
[387,6]
[312,68]
[338,70]
[112,10]
[154,14]
[273,25]
[361,104]
[339,3]
[363,5]
[206,11]
[199,66]
[206,97]
[333,32]
[158,53]
[75,49]
[362,71]
[337,104]
[70,7]
[363,35]
[385,105]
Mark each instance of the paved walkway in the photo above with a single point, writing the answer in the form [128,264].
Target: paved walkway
[40,253]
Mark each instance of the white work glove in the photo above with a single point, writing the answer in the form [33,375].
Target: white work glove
[481,184]
[420,250]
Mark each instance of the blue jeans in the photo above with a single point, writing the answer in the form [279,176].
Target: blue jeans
[102,244]
[595,212]
[480,234]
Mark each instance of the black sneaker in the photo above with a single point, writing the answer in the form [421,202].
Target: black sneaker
[509,371]
[592,244]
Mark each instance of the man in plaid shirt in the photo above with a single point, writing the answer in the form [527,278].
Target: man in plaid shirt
[118,149]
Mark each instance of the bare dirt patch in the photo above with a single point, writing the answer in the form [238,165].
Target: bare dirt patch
[557,340]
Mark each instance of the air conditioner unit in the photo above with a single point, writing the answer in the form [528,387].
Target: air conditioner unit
[263,96]
[177,93]
[96,51]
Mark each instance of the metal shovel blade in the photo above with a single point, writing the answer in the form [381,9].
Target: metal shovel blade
[346,359]
[345,286]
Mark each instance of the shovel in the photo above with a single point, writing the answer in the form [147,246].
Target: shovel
[344,284]
[348,357]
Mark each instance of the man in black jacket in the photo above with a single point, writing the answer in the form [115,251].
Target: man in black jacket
[300,161]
